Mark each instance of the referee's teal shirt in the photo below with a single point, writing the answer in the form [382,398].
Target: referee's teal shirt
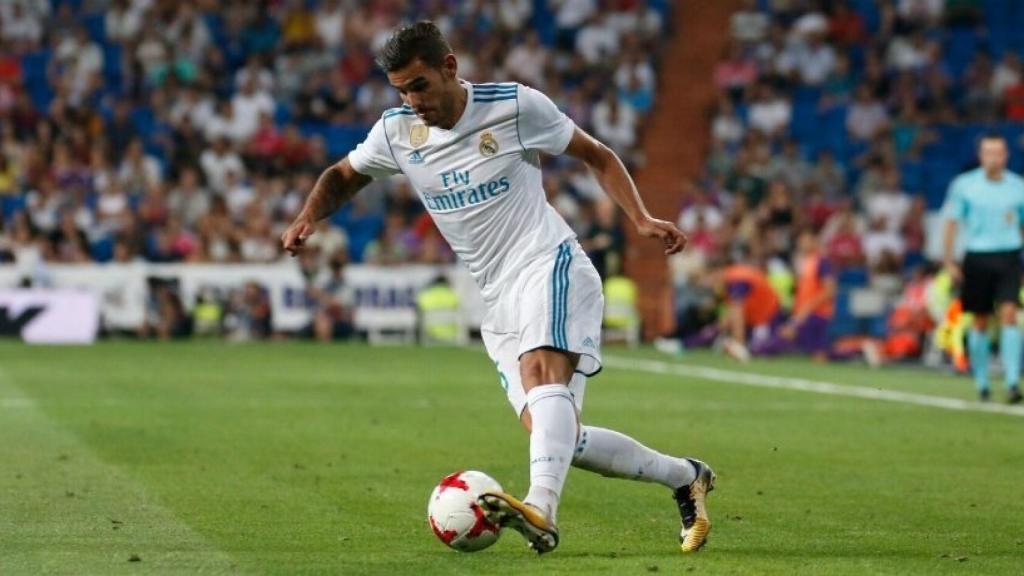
[989,212]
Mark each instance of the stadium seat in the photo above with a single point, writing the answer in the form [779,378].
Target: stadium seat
[852,277]
[282,114]
[11,205]
[95,24]
[960,46]
[112,72]
[342,138]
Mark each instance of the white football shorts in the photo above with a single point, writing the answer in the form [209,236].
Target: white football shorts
[554,302]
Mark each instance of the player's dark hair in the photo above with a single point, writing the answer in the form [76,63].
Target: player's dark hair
[991,136]
[422,40]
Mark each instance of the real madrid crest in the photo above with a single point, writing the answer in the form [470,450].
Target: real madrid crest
[418,135]
[488,145]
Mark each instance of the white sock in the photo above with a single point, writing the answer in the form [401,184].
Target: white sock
[552,442]
[616,455]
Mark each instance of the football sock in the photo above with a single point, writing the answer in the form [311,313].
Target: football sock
[1009,353]
[616,455]
[552,441]
[978,348]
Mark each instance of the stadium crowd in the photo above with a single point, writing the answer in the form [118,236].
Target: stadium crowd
[190,131]
[838,127]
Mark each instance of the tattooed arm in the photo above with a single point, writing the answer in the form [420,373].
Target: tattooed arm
[336,186]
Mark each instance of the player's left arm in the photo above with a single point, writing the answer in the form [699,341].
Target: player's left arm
[617,183]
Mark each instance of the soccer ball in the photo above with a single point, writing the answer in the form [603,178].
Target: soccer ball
[456,518]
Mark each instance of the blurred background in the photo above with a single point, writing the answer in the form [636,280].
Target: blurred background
[152,152]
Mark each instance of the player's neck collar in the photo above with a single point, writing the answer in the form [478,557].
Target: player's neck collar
[467,93]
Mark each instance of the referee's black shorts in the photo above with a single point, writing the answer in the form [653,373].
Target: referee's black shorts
[990,279]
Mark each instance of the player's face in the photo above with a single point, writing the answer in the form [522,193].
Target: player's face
[993,155]
[431,92]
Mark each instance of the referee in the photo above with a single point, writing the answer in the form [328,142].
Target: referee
[988,204]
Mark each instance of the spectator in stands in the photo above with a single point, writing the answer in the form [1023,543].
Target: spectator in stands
[749,25]
[770,112]
[615,124]
[247,106]
[171,321]
[527,61]
[598,39]
[393,245]
[727,127]
[884,248]
[603,240]
[889,203]
[219,161]
[248,315]
[333,301]
[735,72]
[846,26]
[21,26]
[790,167]
[777,219]
[867,115]
[1008,73]
[813,60]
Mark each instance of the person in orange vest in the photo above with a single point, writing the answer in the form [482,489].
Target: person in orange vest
[814,306]
[751,306]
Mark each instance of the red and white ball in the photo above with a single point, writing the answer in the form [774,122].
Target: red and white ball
[456,518]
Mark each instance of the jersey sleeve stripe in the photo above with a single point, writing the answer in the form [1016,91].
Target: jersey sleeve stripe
[494,90]
[398,112]
[511,96]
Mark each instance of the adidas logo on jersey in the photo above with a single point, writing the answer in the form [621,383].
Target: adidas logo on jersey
[588,343]
[415,157]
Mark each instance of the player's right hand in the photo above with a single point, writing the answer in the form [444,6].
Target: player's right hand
[295,236]
[673,239]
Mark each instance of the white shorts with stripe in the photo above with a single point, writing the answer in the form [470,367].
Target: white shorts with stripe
[555,302]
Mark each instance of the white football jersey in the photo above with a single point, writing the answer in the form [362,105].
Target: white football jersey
[480,180]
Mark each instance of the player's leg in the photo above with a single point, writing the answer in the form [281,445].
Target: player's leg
[978,293]
[548,412]
[545,374]
[735,329]
[978,350]
[552,296]
[615,455]
[1010,345]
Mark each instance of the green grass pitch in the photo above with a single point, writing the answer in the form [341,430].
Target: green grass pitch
[209,458]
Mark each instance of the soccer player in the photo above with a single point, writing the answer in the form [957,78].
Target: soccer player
[988,203]
[472,153]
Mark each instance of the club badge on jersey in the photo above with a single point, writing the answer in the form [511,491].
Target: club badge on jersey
[488,145]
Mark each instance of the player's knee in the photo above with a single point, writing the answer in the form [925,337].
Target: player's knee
[544,367]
